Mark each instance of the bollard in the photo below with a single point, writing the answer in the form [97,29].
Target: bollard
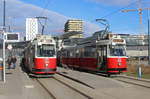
[140,71]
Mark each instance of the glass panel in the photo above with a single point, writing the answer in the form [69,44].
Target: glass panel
[45,50]
[90,51]
[117,50]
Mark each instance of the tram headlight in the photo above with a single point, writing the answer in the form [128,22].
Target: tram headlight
[46,65]
[119,64]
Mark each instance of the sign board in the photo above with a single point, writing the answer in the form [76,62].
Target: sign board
[12,37]
[9,47]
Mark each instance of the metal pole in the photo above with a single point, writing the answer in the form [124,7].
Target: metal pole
[4,29]
[148,36]
[42,29]
[4,76]
[4,14]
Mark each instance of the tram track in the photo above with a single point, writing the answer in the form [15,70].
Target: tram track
[134,81]
[76,80]
[46,89]
[76,90]
[53,93]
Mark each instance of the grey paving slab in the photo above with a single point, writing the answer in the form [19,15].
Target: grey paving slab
[19,86]
[108,86]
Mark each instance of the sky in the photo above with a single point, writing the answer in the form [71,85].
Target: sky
[59,11]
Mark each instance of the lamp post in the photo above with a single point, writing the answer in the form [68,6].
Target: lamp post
[148,36]
[4,30]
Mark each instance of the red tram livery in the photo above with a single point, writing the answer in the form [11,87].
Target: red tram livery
[106,54]
[40,56]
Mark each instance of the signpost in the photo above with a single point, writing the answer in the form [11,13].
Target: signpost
[9,47]
[148,36]
[4,71]
[4,37]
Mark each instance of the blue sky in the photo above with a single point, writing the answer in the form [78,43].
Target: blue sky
[87,10]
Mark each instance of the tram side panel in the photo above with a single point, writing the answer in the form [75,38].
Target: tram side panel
[101,58]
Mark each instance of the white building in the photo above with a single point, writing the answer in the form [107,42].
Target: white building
[31,28]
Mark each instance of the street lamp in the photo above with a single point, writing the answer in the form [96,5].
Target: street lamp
[148,36]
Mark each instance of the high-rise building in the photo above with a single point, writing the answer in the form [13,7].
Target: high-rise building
[31,28]
[73,25]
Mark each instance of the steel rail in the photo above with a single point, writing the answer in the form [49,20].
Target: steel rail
[132,80]
[76,80]
[74,89]
[42,85]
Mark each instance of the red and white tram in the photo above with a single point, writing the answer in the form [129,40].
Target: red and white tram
[40,56]
[106,54]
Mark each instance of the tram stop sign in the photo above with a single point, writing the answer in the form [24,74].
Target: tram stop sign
[9,47]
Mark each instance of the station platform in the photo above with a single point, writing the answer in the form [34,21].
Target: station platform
[19,86]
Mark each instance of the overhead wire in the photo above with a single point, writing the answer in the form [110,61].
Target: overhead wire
[116,11]
[43,11]
[46,6]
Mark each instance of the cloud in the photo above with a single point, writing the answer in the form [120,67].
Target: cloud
[18,11]
[113,2]
[89,28]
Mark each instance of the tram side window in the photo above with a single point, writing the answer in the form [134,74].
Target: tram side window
[68,54]
[71,53]
[74,54]
[64,54]
[86,52]
[89,52]
[81,52]
[77,53]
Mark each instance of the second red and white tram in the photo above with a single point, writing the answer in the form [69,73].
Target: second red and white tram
[106,55]
[40,56]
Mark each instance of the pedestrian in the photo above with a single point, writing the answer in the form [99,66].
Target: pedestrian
[9,62]
[14,62]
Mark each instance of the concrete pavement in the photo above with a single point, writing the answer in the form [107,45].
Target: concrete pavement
[19,86]
[109,87]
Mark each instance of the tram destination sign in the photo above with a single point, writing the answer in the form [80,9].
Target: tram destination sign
[12,37]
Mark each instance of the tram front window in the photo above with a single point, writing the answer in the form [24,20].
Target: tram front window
[45,51]
[117,51]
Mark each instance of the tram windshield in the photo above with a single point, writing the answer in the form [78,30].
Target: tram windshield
[117,50]
[46,50]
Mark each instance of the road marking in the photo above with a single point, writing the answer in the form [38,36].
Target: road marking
[29,86]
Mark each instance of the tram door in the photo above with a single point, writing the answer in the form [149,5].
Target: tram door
[102,58]
[32,57]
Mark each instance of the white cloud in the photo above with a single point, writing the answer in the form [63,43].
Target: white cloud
[113,2]
[89,28]
[18,11]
